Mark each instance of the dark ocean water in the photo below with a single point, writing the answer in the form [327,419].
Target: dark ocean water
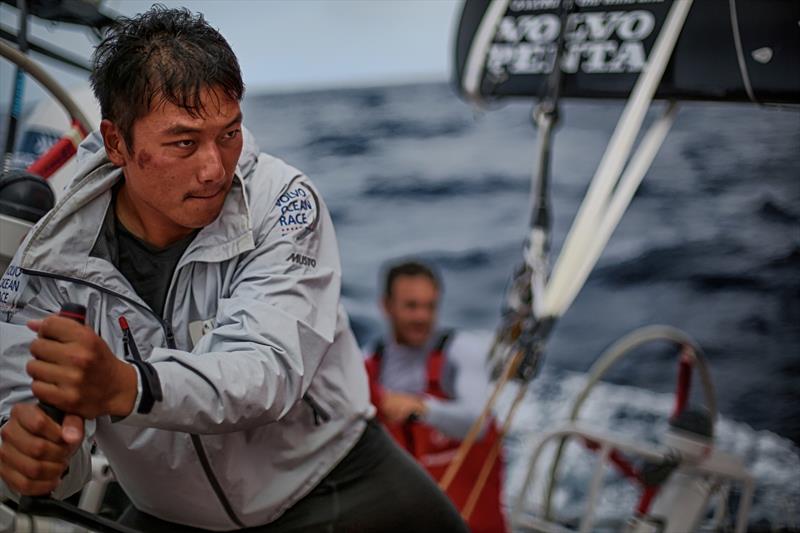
[710,244]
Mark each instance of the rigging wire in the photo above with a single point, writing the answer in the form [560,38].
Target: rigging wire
[737,41]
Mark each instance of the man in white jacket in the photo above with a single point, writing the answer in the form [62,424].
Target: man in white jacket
[217,370]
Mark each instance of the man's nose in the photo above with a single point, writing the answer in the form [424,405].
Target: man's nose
[211,167]
[423,315]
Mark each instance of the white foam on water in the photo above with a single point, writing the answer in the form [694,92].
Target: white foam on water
[641,415]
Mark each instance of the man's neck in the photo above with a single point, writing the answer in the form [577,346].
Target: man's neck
[399,341]
[144,223]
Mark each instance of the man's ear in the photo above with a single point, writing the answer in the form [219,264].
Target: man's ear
[385,305]
[115,145]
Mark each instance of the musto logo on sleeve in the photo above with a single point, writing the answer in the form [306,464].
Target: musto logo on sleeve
[299,210]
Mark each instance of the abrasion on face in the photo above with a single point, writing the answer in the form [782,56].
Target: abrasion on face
[143,158]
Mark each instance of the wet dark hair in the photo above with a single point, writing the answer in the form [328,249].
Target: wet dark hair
[409,268]
[171,55]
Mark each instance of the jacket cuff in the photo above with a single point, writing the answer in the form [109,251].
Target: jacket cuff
[148,387]
[138,399]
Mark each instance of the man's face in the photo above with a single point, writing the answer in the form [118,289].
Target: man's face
[180,168]
[411,309]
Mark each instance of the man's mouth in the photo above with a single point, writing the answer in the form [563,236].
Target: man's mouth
[207,196]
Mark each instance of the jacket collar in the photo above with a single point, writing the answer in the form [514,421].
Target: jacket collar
[60,244]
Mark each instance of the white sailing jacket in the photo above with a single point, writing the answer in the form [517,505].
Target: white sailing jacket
[263,386]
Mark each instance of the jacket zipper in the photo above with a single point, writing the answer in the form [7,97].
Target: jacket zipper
[170,339]
[131,350]
[197,442]
[203,456]
[212,478]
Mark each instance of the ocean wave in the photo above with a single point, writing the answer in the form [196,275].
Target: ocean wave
[791,260]
[415,187]
[370,133]
[345,144]
[671,263]
[455,261]
[398,128]
[773,211]
[707,265]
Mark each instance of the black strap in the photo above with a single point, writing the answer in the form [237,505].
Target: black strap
[151,386]
[446,336]
[380,347]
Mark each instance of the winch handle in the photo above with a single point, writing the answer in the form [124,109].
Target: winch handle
[76,312]
[47,506]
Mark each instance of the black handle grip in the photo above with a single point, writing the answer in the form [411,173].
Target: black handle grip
[45,505]
[76,312]
[56,414]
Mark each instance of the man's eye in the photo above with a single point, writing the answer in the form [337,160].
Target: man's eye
[184,143]
[232,134]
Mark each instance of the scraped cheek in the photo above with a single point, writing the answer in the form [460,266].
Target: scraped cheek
[143,159]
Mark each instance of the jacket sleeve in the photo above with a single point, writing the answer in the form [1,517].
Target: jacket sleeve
[467,380]
[272,327]
[27,298]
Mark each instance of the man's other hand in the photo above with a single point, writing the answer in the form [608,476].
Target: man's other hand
[74,370]
[35,450]
[397,407]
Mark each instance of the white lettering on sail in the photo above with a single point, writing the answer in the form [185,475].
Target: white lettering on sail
[596,42]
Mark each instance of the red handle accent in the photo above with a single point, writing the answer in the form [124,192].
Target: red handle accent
[59,153]
[618,460]
[74,316]
[684,382]
[646,499]
[681,398]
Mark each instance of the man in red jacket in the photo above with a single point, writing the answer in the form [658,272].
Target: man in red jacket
[429,386]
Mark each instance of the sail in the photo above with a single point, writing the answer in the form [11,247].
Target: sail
[729,50]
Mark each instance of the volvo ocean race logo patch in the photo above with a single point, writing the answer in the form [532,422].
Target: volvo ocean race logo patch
[12,284]
[299,210]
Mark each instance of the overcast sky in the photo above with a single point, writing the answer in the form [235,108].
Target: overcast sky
[303,43]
